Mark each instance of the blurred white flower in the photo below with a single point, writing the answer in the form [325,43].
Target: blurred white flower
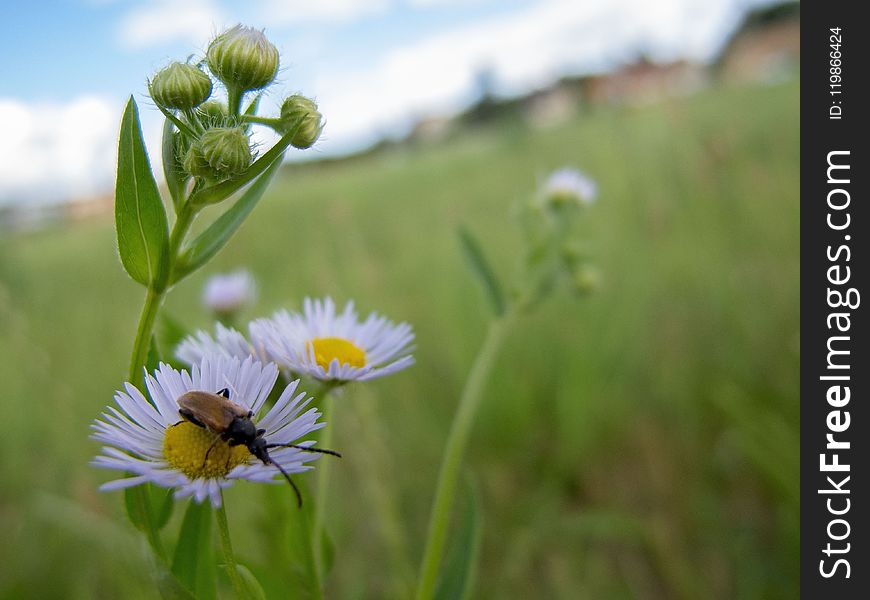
[229,293]
[568,185]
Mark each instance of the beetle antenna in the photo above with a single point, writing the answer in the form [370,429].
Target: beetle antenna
[305,449]
[290,481]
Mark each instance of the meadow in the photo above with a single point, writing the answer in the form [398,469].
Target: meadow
[641,442]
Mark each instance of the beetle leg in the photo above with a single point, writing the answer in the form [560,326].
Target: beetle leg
[207,452]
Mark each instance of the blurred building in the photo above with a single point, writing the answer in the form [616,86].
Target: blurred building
[765,47]
[644,82]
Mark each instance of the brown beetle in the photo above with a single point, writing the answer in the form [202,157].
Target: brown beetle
[232,423]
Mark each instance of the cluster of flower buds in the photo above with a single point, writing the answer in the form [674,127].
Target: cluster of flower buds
[551,225]
[584,278]
[213,142]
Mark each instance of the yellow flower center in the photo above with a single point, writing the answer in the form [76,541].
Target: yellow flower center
[328,348]
[185,446]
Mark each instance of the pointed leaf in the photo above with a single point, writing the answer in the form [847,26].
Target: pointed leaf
[192,563]
[140,219]
[252,110]
[216,235]
[253,589]
[457,579]
[137,506]
[170,588]
[327,551]
[164,501]
[482,270]
[172,171]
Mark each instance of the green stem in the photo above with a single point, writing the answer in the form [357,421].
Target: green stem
[179,230]
[143,497]
[273,123]
[319,527]
[138,358]
[153,299]
[453,451]
[227,548]
[234,100]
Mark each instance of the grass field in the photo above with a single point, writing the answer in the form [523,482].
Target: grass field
[640,443]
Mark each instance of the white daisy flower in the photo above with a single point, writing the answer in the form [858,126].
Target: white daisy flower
[152,441]
[229,293]
[227,342]
[570,185]
[330,346]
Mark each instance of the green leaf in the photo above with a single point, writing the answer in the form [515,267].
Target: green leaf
[192,563]
[164,500]
[223,190]
[302,570]
[253,589]
[482,270]
[138,506]
[327,550]
[457,578]
[252,110]
[172,171]
[152,360]
[140,219]
[216,235]
[170,588]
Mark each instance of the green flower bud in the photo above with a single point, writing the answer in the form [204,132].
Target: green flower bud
[196,164]
[585,280]
[212,114]
[220,153]
[213,110]
[573,253]
[300,113]
[243,58]
[180,86]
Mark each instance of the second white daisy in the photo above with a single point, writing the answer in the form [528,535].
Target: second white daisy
[330,346]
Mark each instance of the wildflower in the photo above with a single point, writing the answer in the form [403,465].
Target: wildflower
[243,58]
[229,293]
[227,342]
[569,186]
[152,441]
[220,153]
[301,113]
[328,346]
[180,86]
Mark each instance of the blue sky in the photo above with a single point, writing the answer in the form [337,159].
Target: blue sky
[373,65]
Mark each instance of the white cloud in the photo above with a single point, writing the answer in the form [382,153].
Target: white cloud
[68,149]
[54,151]
[285,12]
[523,49]
[165,21]
[441,3]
